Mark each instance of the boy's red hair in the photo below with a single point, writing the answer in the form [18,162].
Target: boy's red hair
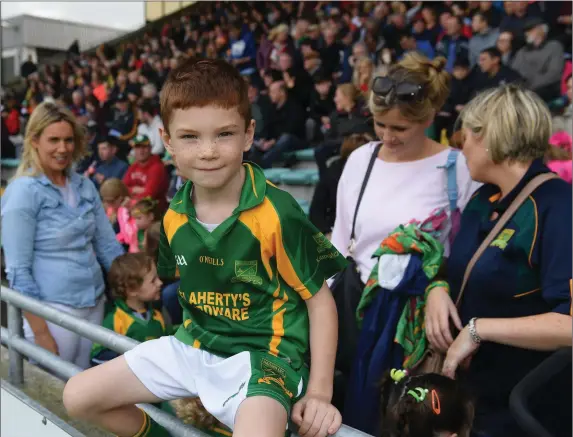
[201,82]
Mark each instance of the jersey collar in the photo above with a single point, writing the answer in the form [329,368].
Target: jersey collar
[537,167]
[252,194]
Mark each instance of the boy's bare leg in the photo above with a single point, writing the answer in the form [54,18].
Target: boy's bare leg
[106,396]
[260,416]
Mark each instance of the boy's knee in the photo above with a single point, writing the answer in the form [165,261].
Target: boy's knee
[76,401]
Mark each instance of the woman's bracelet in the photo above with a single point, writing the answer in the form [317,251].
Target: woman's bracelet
[473,331]
[436,284]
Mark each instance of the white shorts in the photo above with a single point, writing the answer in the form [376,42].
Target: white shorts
[172,370]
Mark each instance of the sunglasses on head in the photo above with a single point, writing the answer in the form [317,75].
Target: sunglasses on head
[403,91]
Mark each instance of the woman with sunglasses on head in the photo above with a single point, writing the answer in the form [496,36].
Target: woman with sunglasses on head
[408,180]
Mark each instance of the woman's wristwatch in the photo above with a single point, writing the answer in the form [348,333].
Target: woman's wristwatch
[473,331]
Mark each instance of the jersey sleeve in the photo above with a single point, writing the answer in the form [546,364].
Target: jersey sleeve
[166,263]
[305,257]
[551,251]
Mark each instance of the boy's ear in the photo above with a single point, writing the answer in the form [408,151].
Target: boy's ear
[131,293]
[250,136]
[166,140]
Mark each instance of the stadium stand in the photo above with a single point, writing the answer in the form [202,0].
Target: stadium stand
[312,50]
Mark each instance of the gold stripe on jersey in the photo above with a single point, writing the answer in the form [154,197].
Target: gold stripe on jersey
[252,174]
[260,222]
[121,321]
[278,321]
[264,223]
[172,221]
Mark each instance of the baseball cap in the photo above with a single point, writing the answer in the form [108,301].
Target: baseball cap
[532,22]
[140,140]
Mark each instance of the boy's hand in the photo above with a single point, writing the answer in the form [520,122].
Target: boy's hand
[316,417]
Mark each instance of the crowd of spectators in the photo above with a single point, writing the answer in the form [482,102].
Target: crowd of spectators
[310,68]
[294,57]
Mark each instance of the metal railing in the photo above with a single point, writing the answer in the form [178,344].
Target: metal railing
[19,348]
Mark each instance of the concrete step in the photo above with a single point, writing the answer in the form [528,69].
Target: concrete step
[47,390]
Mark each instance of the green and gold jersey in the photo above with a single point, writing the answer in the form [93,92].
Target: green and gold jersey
[123,320]
[243,286]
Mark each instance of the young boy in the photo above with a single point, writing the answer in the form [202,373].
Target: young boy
[134,285]
[253,272]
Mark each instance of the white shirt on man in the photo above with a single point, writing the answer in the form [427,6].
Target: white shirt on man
[152,132]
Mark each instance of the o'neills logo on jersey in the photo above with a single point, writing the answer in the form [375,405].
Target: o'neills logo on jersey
[219,262]
[180,260]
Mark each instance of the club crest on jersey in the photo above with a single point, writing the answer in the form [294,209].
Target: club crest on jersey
[323,244]
[180,260]
[503,238]
[273,373]
[246,271]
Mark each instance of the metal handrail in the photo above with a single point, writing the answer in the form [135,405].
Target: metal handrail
[19,347]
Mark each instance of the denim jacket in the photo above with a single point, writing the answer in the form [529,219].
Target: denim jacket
[51,249]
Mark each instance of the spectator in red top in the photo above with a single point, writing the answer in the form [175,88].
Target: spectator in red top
[146,177]
[11,117]
[99,87]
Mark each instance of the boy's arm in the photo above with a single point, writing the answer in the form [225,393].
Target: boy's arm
[314,413]
[306,259]
[323,342]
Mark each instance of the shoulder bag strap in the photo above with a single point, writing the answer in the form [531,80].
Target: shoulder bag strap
[511,210]
[362,189]
[452,179]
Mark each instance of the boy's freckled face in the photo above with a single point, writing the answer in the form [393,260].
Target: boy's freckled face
[208,143]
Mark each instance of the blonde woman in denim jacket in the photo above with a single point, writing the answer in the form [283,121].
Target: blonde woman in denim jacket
[55,232]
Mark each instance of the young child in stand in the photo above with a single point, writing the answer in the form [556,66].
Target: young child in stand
[135,286]
[144,215]
[428,405]
[151,241]
[170,290]
[253,287]
[115,197]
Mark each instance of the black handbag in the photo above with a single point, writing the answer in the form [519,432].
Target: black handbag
[347,289]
